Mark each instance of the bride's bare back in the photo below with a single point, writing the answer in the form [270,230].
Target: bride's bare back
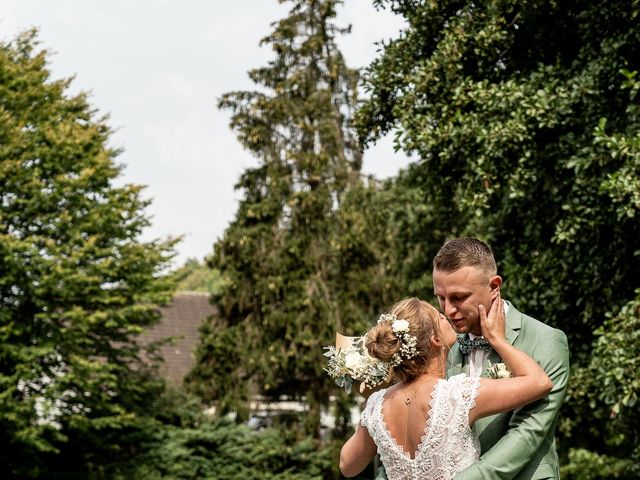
[439,442]
[405,412]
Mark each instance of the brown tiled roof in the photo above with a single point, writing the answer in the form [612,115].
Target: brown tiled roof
[181,319]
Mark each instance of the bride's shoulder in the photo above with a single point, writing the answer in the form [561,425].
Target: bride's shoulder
[377,396]
[372,405]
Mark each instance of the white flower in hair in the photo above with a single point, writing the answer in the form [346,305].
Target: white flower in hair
[387,317]
[408,342]
[400,326]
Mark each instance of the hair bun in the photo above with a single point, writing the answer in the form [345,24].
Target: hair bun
[382,343]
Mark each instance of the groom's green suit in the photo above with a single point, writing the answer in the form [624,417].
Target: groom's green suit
[520,444]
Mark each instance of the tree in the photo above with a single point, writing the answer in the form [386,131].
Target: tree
[524,118]
[291,260]
[197,277]
[76,284]
[607,388]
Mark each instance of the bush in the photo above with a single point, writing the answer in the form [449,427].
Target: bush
[223,449]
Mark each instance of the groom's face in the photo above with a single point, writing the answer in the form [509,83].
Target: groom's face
[459,294]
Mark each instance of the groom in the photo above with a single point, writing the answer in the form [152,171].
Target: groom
[518,444]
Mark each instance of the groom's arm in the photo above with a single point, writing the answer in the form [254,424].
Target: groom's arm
[531,425]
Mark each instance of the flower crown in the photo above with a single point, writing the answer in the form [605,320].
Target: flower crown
[353,363]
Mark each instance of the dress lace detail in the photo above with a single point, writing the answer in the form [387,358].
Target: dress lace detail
[448,445]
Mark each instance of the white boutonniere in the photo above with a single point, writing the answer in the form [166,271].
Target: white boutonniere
[499,370]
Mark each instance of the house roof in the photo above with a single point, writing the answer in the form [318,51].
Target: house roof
[180,319]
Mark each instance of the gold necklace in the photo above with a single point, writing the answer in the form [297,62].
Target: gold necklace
[407,400]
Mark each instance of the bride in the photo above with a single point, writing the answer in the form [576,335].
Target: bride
[421,426]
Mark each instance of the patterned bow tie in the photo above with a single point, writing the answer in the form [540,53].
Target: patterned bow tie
[467,345]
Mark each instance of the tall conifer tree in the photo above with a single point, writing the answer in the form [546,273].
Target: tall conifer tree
[293,276]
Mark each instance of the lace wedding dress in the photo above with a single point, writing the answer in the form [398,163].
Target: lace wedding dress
[448,445]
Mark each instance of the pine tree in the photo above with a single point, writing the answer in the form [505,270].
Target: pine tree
[293,275]
[76,284]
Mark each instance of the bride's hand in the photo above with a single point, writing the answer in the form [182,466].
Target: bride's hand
[493,324]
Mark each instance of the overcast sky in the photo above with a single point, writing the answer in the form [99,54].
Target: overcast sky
[157,68]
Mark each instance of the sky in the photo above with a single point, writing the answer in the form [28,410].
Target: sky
[157,67]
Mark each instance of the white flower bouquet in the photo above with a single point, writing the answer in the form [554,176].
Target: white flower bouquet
[350,362]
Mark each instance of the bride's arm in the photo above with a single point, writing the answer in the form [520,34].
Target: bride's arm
[357,452]
[529,383]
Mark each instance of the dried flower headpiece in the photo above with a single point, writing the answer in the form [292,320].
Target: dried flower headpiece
[408,342]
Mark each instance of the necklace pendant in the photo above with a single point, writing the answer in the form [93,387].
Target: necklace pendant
[407,401]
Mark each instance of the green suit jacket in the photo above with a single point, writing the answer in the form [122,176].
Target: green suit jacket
[520,444]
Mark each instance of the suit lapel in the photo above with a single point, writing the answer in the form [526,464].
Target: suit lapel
[514,322]
[455,361]
[491,359]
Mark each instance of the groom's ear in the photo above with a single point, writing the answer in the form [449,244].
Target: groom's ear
[495,283]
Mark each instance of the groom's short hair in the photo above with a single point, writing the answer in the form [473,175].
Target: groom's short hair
[465,252]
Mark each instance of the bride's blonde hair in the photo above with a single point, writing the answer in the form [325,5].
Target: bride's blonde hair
[382,343]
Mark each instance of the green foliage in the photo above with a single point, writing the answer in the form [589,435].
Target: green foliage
[508,143]
[586,465]
[76,284]
[303,258]
[194,276]
[524,119]
[225,450]
[617,360]
[608,389]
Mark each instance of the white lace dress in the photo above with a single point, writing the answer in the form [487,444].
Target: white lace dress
[448,445]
